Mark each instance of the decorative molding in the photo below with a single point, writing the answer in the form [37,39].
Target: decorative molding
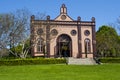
[72,23]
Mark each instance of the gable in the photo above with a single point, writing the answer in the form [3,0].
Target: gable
[63,14]
[63,17]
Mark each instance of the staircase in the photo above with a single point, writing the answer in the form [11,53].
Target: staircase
[81,61]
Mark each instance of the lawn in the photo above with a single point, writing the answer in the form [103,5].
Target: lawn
[61,72]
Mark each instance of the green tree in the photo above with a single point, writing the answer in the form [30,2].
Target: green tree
[22,49]
[107,41]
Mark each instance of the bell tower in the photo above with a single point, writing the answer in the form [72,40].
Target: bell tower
[63,16]
[63,9]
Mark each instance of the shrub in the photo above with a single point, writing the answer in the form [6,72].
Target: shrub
[32,61]
[110,60]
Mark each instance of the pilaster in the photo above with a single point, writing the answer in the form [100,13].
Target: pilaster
[79,38]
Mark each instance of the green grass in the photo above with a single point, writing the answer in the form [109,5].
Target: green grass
[61,72]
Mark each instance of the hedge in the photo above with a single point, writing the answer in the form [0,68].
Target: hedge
[33,61]
[110,60]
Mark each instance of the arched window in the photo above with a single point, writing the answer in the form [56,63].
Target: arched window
[87,46]
[40,45]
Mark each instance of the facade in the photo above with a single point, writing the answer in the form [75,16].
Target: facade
[63,36]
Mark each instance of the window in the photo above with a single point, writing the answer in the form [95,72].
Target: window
[73,32]
[40,45]
[63,17]
[87,46]
[40,31]
[87,32]
[54,32]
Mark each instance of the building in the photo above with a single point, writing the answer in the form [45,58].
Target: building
[63,36]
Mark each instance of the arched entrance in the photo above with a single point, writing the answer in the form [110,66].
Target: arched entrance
[64,46]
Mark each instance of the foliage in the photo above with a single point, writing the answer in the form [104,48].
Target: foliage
[20,50]
[110,60]
[107,41]
[34,61]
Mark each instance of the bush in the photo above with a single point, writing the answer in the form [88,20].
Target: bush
[32,61]
[110,60]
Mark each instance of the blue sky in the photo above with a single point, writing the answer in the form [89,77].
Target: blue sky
[105,11]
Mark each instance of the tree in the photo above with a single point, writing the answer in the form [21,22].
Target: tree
[14,30]
[23,48]
[6,23]
[107,41]
[118,24]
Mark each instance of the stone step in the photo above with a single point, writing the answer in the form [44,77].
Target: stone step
[81,61]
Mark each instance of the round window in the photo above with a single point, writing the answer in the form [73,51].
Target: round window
[40,31]
[63,17]
[54,32]
[73,32]
[87,32]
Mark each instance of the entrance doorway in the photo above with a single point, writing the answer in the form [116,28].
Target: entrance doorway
[64,46]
